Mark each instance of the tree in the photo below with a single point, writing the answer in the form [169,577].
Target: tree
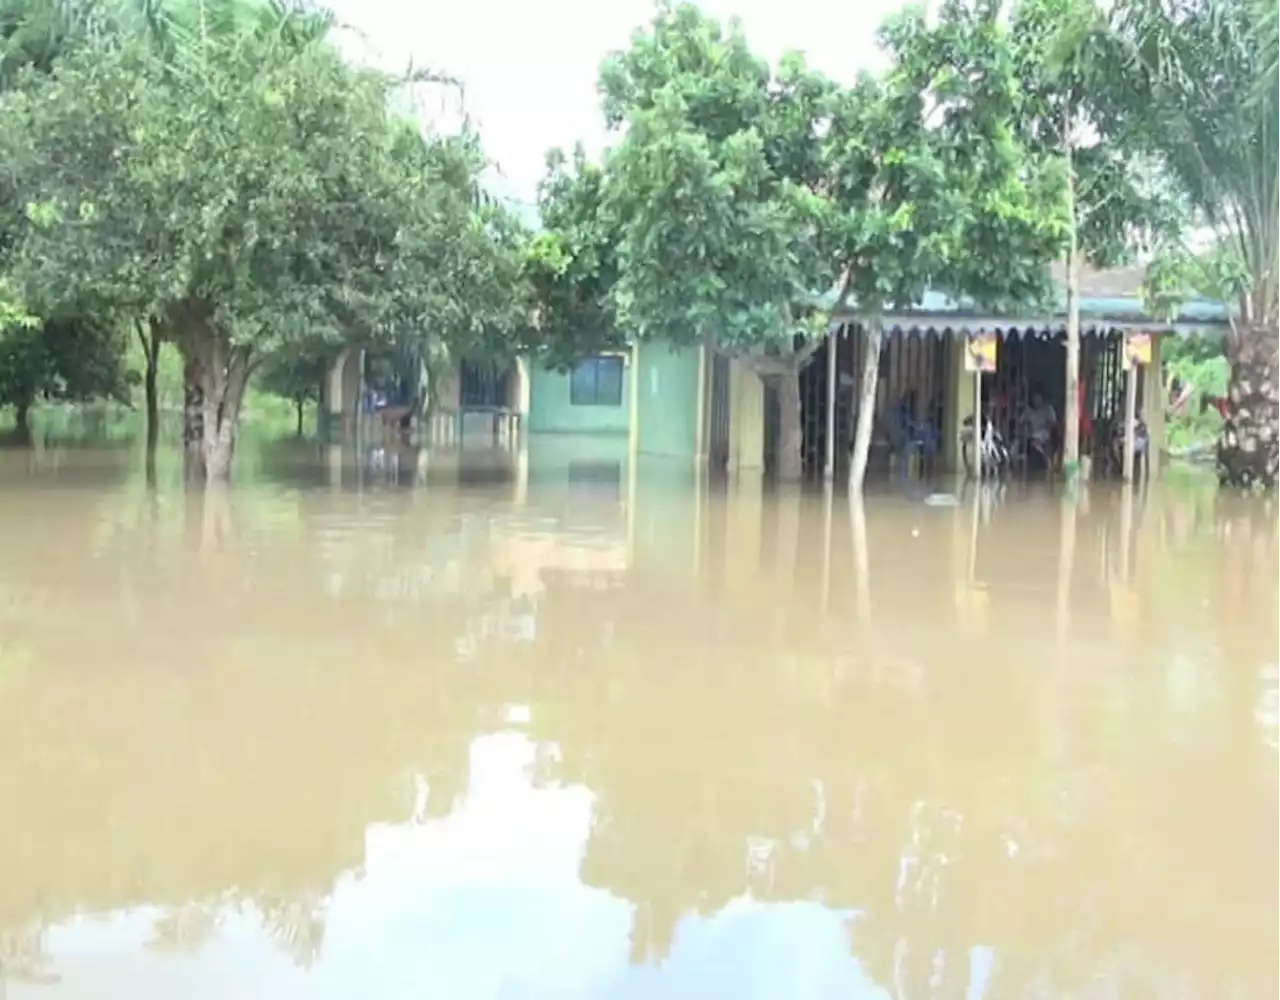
[1076,98]
[715,192]
[571,266]
[459,289]
[938,189]
[739,192]
[252,207]
[1207,105]
[296,376]
[73,360]
[34,36]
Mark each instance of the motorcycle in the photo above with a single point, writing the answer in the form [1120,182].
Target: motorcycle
[994,450]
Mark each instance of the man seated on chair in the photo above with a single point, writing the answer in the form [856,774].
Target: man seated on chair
[1041,422]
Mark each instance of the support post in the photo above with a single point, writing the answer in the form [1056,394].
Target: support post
[1130,414]
[978,422]
[829,462]
[1154,400]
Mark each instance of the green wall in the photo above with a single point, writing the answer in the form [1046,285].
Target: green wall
[551,411]
[667,404]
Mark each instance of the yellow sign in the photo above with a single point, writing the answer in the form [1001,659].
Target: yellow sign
[980,352]
[1137,350]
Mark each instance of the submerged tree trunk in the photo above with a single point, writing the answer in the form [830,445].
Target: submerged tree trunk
[790,429]
[22,421]
[226,373]
[150,338]
[1071,404]
[193,417]
[215,373]
[1247,446]
[298,404]
[782,372]
[873,335]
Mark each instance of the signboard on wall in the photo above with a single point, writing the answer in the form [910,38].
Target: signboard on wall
[980,352]
[1137,350]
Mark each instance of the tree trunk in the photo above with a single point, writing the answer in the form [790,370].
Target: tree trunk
[1071,404]
[873,335]
[226,373]
[790,428]
[151,345]
[1247,447]
[298,404]
[22,421]
[192,416]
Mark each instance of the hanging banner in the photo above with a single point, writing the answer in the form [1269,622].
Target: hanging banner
[980,352]
[1137,350]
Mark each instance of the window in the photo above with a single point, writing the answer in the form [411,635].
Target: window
[597,382]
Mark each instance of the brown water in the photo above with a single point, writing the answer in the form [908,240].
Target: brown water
[548,729]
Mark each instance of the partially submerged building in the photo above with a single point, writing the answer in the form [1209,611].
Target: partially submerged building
[693,404]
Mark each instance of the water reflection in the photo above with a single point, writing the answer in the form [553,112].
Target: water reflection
[574,728]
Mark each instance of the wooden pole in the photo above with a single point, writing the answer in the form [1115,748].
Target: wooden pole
[861,560]
[1126,532]
[833,353]
[1130,414]
[974,521]
[828,512]
[977,425]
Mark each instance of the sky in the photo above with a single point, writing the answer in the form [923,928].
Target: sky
[486,903]
[530,68]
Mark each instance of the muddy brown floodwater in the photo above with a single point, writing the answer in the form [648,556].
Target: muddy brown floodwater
[549,727]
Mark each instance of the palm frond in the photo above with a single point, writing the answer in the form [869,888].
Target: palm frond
[1212,107]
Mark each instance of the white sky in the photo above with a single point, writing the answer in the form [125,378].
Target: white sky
[530,68]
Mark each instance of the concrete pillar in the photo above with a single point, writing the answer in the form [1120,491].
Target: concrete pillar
[959,400]
[342,394]
[746,418]
[704,416]
[633,405]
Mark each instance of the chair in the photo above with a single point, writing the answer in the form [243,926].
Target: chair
[910,438]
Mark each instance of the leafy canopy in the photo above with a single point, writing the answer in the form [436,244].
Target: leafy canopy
[273,200]
[571,266]
[1207,106]
[737,190]
[1078,95]
[67,359]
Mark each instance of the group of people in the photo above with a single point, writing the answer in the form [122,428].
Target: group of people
[1037,433]
[1035,428]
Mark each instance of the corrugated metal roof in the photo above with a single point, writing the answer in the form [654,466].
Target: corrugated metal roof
[1107,297]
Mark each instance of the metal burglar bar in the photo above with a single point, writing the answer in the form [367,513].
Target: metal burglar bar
[718,412]
[913,368]
[482,385]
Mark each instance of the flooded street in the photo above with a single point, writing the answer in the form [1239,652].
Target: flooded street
[555,727]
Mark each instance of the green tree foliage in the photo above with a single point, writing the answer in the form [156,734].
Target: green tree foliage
[296,376]
[571,266]
[1075,83]
[66,360]
[737,191]
[1207,103]
[263,203]
[35,35]
[456,272]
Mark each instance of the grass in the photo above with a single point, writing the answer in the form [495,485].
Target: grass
[1201,364]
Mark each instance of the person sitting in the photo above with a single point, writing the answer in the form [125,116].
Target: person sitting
[909,436]
[1041,423]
